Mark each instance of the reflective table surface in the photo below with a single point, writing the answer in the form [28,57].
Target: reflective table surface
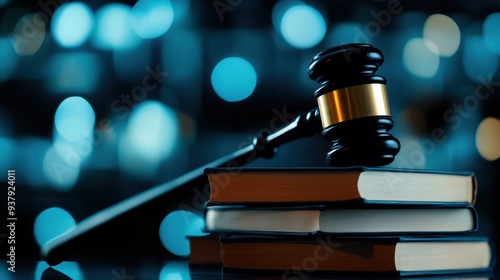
[177,270]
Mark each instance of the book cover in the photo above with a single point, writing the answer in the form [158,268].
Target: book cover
[375,255]
[353,184]
[363,220]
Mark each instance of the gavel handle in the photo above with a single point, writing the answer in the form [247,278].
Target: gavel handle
[130,227]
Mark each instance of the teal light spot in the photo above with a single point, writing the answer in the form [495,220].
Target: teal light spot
[421,58]
[175,227]
[478,60]
[74,119]
[70,269]
[51,223]
[303,26]
[151,18]
[491,34]
[113,28]
[234,79]
[72,24]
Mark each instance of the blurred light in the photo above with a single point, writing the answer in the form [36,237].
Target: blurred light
[419,59]
[72,24]
[151,18]
[8,58]
[113,28]
[279,10]
[4,3]
[70,269]
[303,26]
[73,72]
[488,138]
[182,51]
[412,154]
[151,137]
[234,79]
[478,61]
[346,33]
[74,119]
[4,273]
[444,33]
[61,171]
[175,227]
[7,152]
[490,32]
[175,271]
[51,223]
[29,34]
[30,158]
[131,63]
[181,9]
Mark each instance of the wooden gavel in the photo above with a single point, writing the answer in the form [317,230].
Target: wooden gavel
[353,112]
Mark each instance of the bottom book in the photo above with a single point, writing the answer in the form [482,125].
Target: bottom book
[293,256]
[237,274]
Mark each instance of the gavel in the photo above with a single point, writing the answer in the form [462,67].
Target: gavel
[353,113]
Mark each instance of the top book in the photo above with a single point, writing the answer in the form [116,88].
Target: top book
[325,185]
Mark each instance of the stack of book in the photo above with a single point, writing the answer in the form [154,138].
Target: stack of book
[355,221]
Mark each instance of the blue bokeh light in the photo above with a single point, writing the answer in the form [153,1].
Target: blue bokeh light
[7,152]
[73,73]
[29,158]
[129,63]
[70,269]
[421,57]
[51,223]
[182,51]
[346,33]
[72,24]
[490,32]
[4,273]
[8,58]
[477,60]
[74,119]
[113,28]
[303,26]
[175,270]
[61,171]
[151,18]
[175,227]
[234,79]
[152,136]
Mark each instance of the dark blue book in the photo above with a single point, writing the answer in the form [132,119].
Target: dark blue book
[376,255]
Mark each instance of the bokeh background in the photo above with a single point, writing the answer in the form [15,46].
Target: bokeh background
[102,100]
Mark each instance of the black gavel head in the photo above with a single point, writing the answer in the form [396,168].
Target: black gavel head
[353,106]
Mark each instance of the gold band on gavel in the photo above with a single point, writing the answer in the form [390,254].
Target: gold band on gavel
[352,103]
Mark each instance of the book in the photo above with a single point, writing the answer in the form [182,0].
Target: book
[386,220]
[245,274]
[371,255]
[323,185]
[204,251]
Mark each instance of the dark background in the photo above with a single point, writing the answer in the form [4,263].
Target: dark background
[207,126]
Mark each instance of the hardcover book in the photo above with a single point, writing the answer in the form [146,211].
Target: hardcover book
[381,219]
[371,255]
[325,185]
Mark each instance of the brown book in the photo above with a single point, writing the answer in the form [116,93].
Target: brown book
[324,185]
[396,255]
[204,250]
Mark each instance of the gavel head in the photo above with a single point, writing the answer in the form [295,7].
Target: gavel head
[353,106]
